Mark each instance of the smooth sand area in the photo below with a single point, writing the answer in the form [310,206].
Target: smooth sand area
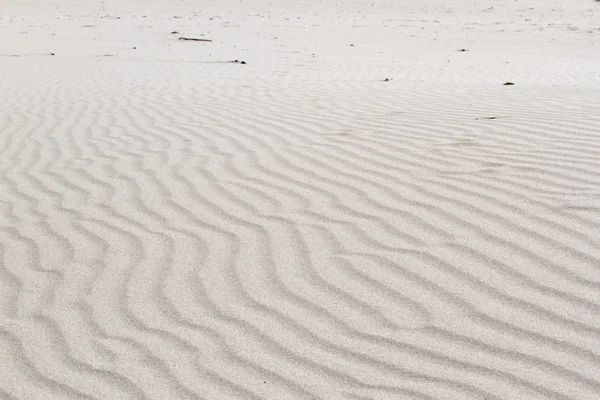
[362,209]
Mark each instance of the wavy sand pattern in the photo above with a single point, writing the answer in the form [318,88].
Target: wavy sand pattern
[177,226]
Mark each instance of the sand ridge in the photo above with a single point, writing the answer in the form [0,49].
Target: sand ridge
[175,225]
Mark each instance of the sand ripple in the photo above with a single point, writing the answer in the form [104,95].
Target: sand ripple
[222,236]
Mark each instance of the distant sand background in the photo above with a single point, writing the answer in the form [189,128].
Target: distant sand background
[362,210]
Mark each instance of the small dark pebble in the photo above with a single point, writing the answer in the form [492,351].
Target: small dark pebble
[351,45]
[135,48]
[463,50]
[243,62]
[52,54]
[508,84]
[387,79]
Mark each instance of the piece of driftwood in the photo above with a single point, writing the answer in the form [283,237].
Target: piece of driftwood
[194,39]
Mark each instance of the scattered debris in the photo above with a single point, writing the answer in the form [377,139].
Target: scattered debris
[239,62]
[195,39]
[388,79]
[508,84]
[464,50]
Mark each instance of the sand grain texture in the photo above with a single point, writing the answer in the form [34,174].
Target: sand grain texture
[177,226]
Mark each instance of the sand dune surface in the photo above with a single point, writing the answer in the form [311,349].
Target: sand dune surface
[328,200]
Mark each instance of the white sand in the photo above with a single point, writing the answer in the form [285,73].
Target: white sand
[177,226]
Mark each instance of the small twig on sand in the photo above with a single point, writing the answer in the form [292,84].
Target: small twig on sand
[194,39]
[495,117]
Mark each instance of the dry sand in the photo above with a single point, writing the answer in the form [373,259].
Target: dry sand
[177,226]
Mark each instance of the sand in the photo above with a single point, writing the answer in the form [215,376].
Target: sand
[362,210]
